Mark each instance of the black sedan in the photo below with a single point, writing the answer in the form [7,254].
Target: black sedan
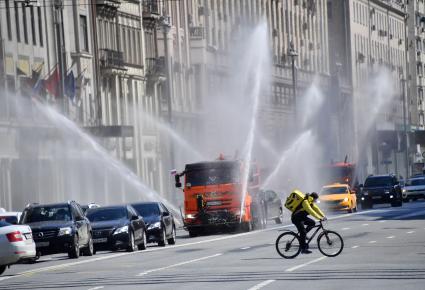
[159,221]
[117,227]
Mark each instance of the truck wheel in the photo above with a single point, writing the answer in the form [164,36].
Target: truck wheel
[193,233]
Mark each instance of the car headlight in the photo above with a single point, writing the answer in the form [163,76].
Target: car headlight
[190,216]
[345,199]
[121,230]
[156,225]
[65,231]
[404,190]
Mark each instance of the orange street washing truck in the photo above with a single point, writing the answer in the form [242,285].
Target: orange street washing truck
[338,197]
[213,196]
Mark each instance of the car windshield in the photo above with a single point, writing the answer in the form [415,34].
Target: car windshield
[378,181]
[47,213]
[333,190]
[414,182]
[4,224]
[149,209]
[10,219]
[106,214]
[211,176]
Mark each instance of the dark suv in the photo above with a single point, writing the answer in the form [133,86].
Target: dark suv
[59,228]
[381,189]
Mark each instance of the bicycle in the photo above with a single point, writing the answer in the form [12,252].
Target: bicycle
[330,243]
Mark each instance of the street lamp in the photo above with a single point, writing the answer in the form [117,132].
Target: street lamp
[293,55]
[406,137]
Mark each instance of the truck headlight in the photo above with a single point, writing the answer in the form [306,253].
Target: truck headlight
[65,231]
[121,230]
[190,216]
[345,199]
[156,225]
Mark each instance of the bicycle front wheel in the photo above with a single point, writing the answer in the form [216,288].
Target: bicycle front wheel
[288,245]
[330,243]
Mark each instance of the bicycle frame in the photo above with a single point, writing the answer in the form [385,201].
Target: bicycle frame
[317,227]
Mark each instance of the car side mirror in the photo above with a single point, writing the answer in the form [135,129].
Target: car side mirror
[134,218]
[165,213]
[79,218]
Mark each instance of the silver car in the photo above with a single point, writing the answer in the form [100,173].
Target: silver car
[414,188]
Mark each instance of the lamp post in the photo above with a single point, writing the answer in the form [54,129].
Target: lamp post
[405,135]
[293,55]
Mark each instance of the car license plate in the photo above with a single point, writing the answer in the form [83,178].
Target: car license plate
[28,236]
[42,244]
[100,240]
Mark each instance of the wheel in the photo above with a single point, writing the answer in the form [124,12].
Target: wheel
[193,233]
[355,209]
[288,245]
[74,252]
[143,245]
[2,269]
[330,243]
[172,240]
[163,237]
[131,243]
[89,250]
[279,219]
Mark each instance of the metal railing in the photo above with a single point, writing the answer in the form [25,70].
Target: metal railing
[155,65]
[111,58]
[197,32]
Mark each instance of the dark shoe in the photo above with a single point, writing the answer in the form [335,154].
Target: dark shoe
[306,251]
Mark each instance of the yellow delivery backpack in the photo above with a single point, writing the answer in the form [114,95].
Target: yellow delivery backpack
[294,200]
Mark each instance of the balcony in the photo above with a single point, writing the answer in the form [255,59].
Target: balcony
[151,13]
[197,32]
[155,66]
[108,8]
[111,59]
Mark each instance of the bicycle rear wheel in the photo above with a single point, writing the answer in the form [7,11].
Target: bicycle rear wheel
[330,243]
[288,245]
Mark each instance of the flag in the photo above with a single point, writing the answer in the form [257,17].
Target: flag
[79,87]
[70,85]
[52,83]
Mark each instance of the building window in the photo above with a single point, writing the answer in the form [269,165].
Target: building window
[84,41]
[34,37]
[18,29]
[9,26]
[24,17]
[40,26]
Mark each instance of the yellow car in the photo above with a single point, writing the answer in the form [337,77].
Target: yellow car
[338,197]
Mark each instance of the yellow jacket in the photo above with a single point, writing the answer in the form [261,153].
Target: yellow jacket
[311,208]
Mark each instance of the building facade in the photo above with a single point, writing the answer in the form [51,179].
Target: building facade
[369,37]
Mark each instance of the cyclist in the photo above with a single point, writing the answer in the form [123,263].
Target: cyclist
[300,218]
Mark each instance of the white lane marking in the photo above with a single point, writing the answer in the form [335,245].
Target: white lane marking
[381,221]
[112,256]
[261,285]
[411,232]
[391,237]
[245,248]
[354,247]
[344,229]
[96,288]
[178,264]
[305,264]
[372,242]
[365,224]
